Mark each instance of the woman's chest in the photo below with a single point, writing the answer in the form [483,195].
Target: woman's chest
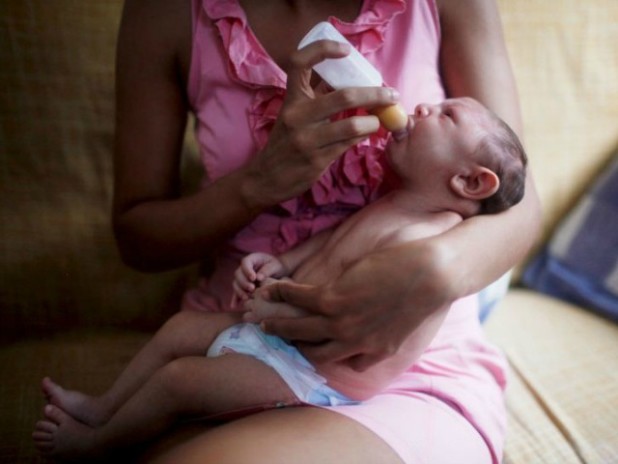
[279,25]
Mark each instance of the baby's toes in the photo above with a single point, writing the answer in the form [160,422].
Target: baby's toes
[45,426]
[43,436]
[55,414]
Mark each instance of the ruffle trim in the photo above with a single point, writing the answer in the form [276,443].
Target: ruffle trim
[252,65]
[354,179]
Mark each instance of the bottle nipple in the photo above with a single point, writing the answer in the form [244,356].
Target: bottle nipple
[393,117]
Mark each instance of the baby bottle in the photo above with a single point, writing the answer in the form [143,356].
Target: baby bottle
[354,70]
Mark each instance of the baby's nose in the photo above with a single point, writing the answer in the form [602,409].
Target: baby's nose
[422,110]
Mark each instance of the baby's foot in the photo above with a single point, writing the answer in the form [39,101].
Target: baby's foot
[61,436]
[84,408]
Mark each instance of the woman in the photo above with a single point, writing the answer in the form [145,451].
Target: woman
[285,160]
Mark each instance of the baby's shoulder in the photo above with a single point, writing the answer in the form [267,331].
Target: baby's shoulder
[423,225]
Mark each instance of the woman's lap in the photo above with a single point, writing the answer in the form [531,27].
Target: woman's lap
[300,435]
[436,434]
[421,428]
[420,419]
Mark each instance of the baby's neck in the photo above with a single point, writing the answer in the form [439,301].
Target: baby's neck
[416,201]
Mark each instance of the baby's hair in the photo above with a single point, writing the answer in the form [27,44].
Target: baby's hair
[502,152]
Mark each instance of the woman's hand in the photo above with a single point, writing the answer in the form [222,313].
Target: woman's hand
[304,140]
[364,316]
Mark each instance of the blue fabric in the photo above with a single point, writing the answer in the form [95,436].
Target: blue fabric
[491,295]
[580,263]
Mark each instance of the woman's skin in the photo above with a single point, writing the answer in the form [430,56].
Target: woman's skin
[157,229]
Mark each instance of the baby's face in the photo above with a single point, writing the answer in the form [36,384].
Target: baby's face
[440,138]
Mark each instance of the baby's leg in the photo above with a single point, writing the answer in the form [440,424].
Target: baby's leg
[188,333]
[187,387]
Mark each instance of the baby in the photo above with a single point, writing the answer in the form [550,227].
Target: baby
[457,161]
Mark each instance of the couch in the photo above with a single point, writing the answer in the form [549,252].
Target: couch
[71,309]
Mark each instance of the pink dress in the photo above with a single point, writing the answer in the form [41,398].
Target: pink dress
[449,407]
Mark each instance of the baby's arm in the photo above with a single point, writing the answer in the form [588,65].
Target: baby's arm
[296,256]
[258,268]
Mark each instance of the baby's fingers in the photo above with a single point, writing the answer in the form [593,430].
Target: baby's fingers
[269,269]
[239,295]
[245,277]
[246,270]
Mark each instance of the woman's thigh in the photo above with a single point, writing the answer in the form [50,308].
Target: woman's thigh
[298,435]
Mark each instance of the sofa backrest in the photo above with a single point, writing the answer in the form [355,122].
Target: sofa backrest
[59,267]
[565,60]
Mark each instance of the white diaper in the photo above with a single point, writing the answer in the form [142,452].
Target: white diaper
[290,364]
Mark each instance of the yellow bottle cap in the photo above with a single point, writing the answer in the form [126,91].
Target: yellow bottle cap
[393,117]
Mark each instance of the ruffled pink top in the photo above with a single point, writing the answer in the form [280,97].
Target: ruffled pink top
[236,90]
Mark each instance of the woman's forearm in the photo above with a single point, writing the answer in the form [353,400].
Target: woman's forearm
[475,63]
[167,233]
[481,249]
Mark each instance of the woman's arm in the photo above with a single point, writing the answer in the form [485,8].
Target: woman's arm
[475,63]
[155,227]
[366,313]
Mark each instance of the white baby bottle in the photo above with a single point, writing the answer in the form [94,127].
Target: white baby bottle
[353,70]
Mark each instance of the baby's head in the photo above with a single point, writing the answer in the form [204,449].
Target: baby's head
[462,146]
[501,151]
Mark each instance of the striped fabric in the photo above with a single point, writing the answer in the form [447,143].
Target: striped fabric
[562,394]
[580,263]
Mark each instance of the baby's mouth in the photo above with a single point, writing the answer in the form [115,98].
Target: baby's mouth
[399,135]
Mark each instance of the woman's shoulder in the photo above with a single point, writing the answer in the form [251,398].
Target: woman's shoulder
[175,15]
[468,12]
[160,29]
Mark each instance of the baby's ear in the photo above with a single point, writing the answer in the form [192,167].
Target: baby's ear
[477,185]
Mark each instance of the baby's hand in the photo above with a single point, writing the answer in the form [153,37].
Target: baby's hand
[253,270]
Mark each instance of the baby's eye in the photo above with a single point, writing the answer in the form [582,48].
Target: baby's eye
[449,113]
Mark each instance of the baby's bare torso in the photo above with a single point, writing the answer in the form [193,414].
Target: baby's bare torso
[377,226]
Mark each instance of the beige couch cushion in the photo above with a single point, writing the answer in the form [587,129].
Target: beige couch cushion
[565,62]
[563,394]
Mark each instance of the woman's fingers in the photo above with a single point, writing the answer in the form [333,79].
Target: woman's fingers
[352,98]
[310,329]
[299,87]
[319,109]
[346,131]
[302,61]
[295,294]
